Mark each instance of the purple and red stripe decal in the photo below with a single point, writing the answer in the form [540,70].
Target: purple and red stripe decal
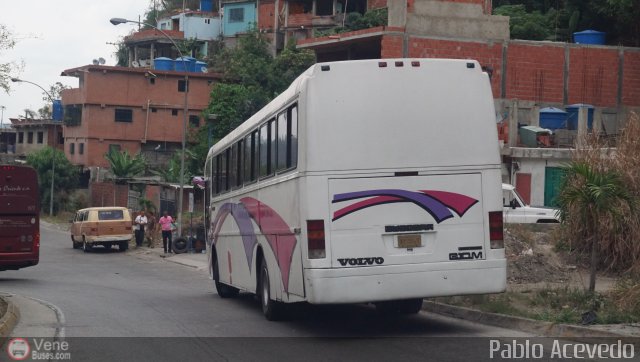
[438,204]
[271,225]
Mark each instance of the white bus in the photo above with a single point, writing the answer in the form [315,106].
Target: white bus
[365,181]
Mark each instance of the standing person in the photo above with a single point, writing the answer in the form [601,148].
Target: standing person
[141,222]
[151,229]
[165,223]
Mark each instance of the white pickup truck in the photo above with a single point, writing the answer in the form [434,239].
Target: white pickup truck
[515,210]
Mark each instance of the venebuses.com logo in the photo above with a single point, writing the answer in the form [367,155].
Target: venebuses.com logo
[18,349]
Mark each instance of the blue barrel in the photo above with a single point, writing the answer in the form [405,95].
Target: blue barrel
[589,37]
[163,63]
[572,115]
[57,112]
[206,5]
[553,118]
[201,67]
[188,64]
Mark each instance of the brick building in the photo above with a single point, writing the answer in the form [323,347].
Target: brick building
[133,109]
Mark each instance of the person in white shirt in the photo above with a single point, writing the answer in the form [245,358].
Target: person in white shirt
[140,223]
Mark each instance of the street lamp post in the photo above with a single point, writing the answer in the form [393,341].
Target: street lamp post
[118,21]
[53,154]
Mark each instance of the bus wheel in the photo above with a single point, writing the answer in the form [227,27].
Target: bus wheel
[107,246]
[271,309]
[123,246]
[224,291]
[86,247]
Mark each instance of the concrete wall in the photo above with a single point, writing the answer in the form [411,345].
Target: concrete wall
[458,19]
[232,28]
[536,167]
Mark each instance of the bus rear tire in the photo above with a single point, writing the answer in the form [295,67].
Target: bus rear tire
[271,309]
[224,291]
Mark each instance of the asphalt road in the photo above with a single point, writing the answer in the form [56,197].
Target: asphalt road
[113,294]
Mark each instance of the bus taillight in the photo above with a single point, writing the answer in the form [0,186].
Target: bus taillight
[315,239]
[495,230]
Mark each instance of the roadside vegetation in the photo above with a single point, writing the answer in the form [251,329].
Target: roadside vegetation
[558,20]
[552,269]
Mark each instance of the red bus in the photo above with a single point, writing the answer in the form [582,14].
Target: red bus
[19,217]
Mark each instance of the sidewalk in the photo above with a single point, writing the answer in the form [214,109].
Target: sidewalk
[194,260]
[35,318]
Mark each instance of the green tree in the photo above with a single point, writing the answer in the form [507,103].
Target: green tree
[252,77]
[171,171]
[526,25]
[124,166]
[66,175]
[7,41]
[595,199]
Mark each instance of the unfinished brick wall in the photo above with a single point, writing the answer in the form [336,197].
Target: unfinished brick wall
[266,14]
[102,194]
[535,72]
[485,4]
[489,55]
[392,46]
[631,80]
[593,76]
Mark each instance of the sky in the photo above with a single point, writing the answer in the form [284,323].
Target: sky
[56,35]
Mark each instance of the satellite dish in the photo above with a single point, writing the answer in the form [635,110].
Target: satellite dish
[101,60]
[135,64]
[95,62]
[204,69]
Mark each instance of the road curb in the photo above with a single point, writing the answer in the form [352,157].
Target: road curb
[10,318]
[540,328]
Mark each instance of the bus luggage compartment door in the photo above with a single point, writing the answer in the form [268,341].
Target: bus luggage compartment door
[406,219]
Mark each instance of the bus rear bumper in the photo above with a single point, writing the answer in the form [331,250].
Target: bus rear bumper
[381,283]
[17,261]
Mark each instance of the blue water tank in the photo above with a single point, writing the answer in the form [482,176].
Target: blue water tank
[163,63]
[589,37]
[553,118]
[201,67]
[206,5]
[57,111]
[188,64]
[572,115]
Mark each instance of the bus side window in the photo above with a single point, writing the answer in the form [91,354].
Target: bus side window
[248,154]
[255,159]
[292,137]
[233,166]
[272,146]
[282,142]
[240,159]
[213,182]
[218,187]
[264,150]
[224,171]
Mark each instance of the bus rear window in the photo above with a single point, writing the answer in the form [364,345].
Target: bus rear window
[110,215]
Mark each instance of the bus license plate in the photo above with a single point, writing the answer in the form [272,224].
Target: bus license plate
[409,241]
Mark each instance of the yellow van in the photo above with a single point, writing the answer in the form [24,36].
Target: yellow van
[106,226]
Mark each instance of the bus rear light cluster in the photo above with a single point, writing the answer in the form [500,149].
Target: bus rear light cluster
[496,231]
[315,239]
[29,238]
